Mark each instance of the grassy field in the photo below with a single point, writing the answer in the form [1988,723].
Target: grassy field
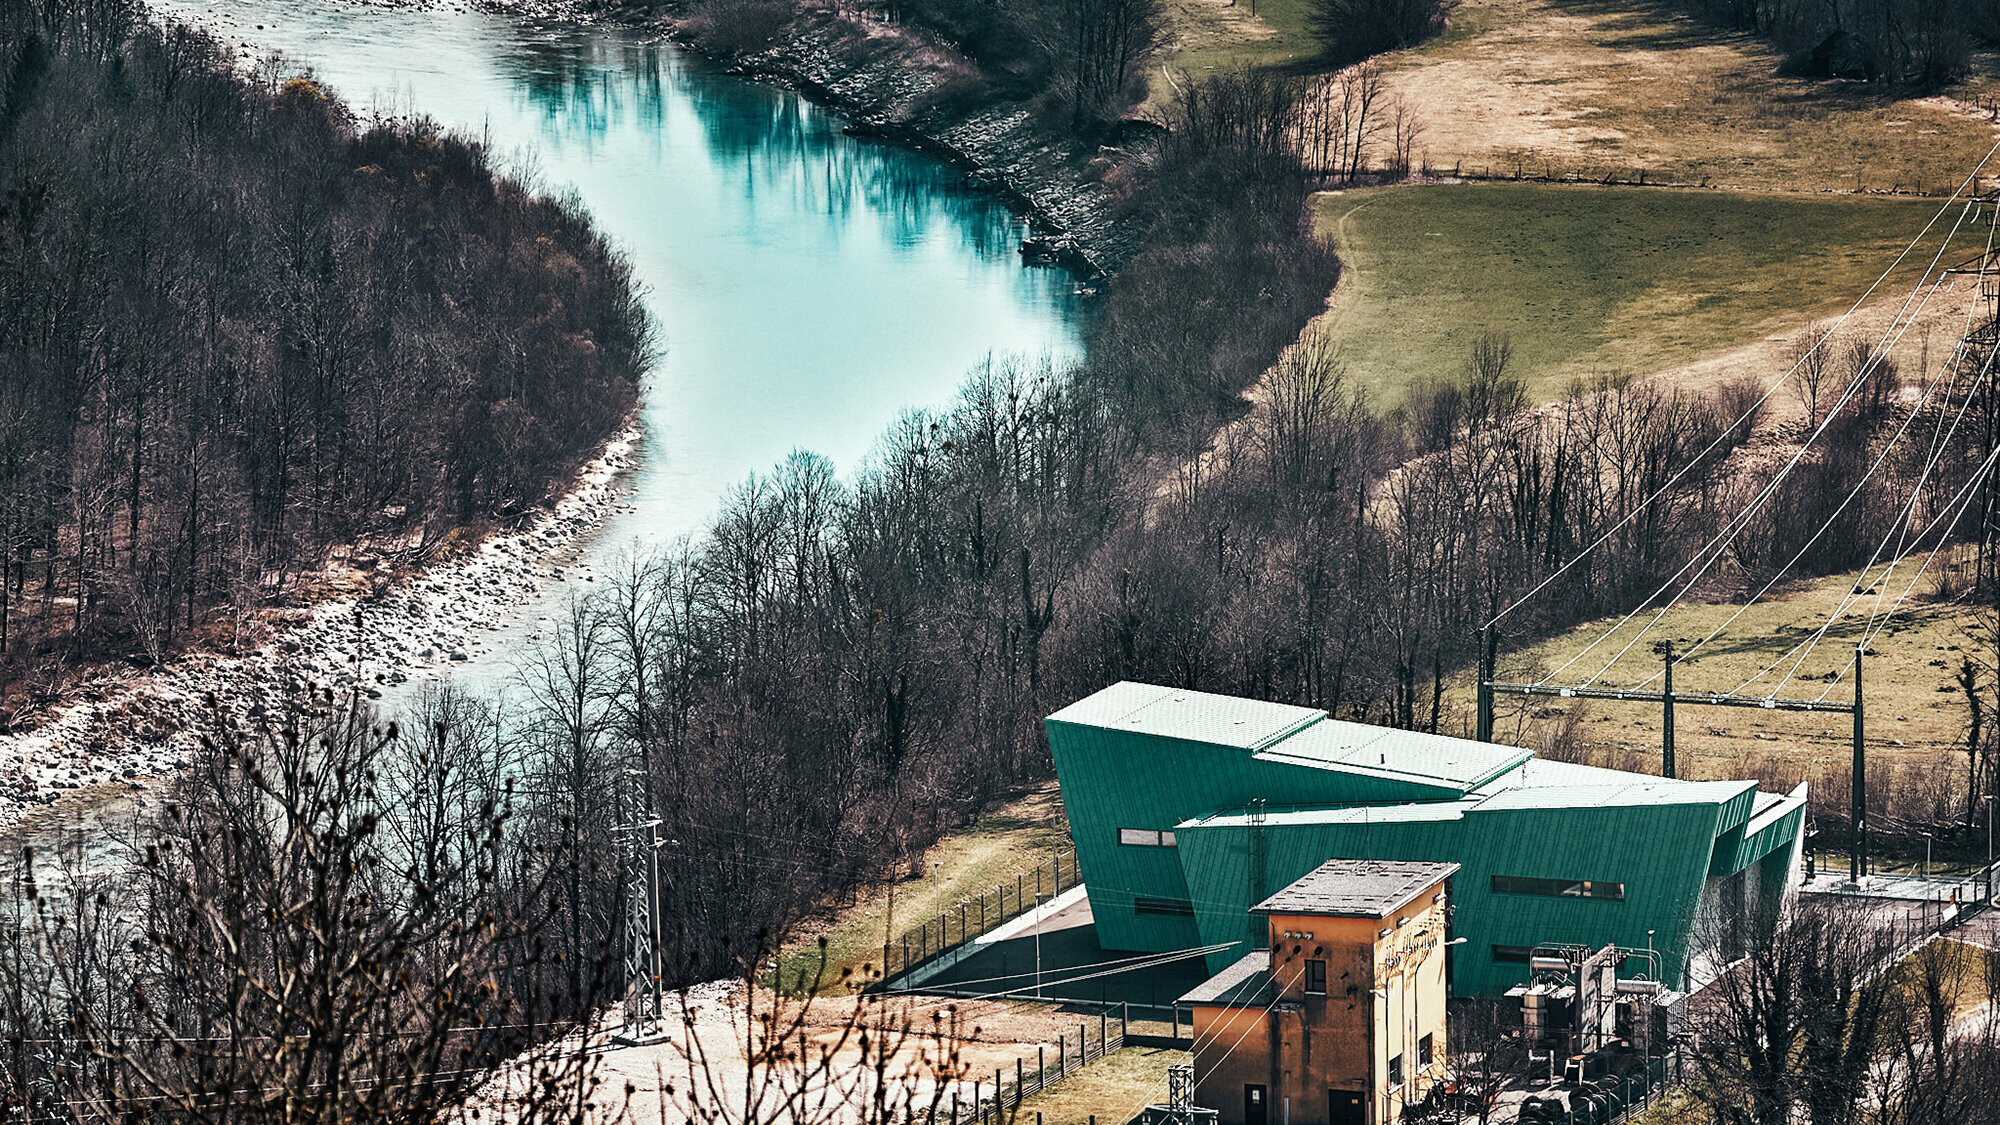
[1112,1089]
[1915,714]
[1589,280]
[1011,838]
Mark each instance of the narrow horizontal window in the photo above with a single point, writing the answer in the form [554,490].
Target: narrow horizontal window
[1512,954]
[1171,907]
[1557,888]
[1146,837]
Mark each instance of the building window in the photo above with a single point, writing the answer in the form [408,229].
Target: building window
[1171,907]
[1512,954]
[1146,837]
[1396,1070]
[1316,976]
[1557,888]
[1424,1050]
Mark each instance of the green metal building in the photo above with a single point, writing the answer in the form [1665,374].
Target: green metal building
[1187,808]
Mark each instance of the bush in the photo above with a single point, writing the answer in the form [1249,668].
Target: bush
[1352,30]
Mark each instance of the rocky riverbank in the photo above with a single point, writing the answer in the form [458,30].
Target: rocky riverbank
[136,725]
[900,85]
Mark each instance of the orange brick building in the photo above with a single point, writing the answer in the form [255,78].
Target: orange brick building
[1341,1019]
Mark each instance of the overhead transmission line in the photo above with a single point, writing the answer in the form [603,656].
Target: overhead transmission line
[1899,527]
[1750,412]
[1713,550]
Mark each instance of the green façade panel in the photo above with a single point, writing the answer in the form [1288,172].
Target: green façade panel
[1157,760]
[1146,758]
[1658,853]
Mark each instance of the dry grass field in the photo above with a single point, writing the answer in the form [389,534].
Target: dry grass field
[1110,1090]
[1615,88]
[1916,715]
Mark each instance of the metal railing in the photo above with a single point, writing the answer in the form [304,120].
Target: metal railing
[994,1099]
[972,918]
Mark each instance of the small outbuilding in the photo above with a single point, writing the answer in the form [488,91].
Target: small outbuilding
[1340,1019]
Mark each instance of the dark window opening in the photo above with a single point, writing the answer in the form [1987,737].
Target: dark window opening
[1170,907]
[1146,837]
[1396,1071]
[1512,954]
[1316,977]
[1557,888]
[1424,1050]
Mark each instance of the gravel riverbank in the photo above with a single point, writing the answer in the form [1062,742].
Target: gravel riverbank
[141,724]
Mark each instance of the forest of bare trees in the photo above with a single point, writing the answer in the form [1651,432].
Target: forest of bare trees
[1924,43]
[238,326]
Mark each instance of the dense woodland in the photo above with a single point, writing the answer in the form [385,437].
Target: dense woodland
[238,326]
[1925,43]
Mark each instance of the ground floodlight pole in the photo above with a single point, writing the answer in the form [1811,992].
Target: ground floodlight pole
[1857,865]
[1486,655]
[1666,651]
[1036,918]
[1989,848]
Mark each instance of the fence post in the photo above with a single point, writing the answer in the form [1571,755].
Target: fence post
[1038,882]
[1124,1021]
[1020,1079]
[1018,879]
[1062,1056]
[962,938]
[1104,1032]
[982,912]
[1041,1069]
[978,1103]
[954,1104]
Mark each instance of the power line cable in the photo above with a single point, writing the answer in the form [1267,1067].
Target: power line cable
[1940,438]
[1712,551]
[1755,407]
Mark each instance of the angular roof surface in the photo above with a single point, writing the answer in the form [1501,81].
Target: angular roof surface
[1630,790]
[1358,747]
[1288,735]
[1357,888]
[1245,984]
[1196,716]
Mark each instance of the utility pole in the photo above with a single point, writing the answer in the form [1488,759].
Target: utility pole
[1486,661]
[1857,865]
[1666,651]
[1989,848]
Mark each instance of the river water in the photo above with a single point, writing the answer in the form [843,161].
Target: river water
[807,286]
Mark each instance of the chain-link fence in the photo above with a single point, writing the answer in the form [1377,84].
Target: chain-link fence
[974,917]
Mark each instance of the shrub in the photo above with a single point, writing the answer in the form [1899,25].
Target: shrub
[1352,30]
